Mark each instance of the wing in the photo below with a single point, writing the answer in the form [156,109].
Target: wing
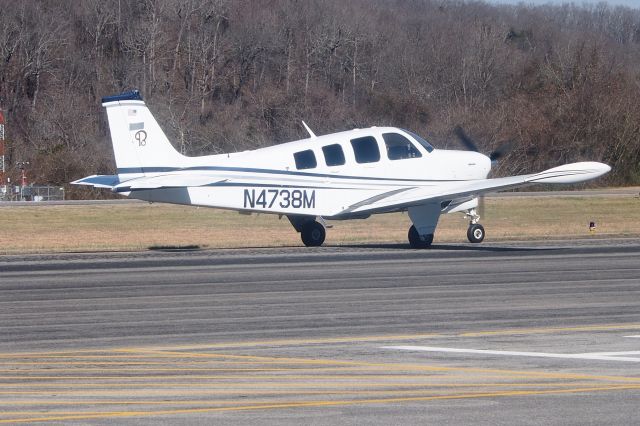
[449,191]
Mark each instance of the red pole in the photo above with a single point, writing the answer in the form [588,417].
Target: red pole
[1,148]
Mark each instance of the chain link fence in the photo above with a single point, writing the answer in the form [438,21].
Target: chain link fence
[31,193]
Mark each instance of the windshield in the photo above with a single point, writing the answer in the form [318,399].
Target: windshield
[421,141]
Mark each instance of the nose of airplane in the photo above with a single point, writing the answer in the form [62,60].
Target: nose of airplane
[486,163]
[481,165]
[462,164]
[474,165]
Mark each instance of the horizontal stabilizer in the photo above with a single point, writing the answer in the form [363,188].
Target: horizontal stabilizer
[114,183]
[99,181]
[167,181]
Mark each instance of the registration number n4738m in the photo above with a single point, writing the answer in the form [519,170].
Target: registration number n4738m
[282,198]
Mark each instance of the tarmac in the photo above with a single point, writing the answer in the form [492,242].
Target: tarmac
[497,333]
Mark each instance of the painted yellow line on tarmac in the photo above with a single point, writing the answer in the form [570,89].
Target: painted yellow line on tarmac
[214,355]
[239,387]
[164,362]
[165,378]
[213,403]
[74,352]
[295,342]
[123,373]
[269,392]
[288,381]
[419,367]
[385,366]
[388,367]
[551,330]
[96,363]
[102,353]
[45,355]
[283,405]
[71,352]
[199,403]
[176,369]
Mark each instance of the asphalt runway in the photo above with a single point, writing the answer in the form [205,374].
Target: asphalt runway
[497,333]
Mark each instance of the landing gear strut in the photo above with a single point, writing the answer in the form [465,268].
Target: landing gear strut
[312,234]
[418,242]
[475,232]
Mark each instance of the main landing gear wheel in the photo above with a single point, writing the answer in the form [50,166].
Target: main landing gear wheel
[475,233]
[313,234]
[416,242]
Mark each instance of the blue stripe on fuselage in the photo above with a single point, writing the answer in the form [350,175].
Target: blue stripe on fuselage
[270,171]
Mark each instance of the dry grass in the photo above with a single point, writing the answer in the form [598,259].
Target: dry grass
[141,226]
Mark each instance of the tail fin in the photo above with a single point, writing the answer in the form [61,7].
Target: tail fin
[139,144]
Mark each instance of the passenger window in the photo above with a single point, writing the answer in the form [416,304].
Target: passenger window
[305,159]
[366,149]
[333,155]
[399,147]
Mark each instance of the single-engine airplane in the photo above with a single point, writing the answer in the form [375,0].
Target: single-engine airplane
[346,175]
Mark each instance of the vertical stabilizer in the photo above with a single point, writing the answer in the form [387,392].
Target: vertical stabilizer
[139,144]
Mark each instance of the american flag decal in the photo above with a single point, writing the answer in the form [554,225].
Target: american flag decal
[133,112]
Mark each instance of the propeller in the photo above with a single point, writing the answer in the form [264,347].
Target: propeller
[501,151]
[466,140]
[494,156]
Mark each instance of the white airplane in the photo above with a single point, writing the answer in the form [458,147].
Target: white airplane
[345,175]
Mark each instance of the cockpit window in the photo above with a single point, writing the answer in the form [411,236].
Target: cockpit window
[366,149]
[421,141]
[305,159]
[333,155]
[399,147]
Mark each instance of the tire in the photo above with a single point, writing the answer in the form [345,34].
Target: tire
[313,234]
[475,233]
[416,242]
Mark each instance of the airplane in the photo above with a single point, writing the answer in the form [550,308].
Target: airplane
[346,175]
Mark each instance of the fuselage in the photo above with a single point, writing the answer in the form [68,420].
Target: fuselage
[318,175]
[421,163]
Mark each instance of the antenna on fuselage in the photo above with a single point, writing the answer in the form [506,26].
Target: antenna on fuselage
[311,134]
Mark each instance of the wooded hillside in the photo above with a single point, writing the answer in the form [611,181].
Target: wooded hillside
[562,81]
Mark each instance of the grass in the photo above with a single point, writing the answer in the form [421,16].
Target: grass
[51,228]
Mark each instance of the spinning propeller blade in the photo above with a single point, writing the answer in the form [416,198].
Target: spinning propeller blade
[466,140]
[494,156]
[470,144]
[501,151]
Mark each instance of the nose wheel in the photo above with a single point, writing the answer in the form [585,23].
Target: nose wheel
[475,233]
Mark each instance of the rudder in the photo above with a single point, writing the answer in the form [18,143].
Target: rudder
[139,144]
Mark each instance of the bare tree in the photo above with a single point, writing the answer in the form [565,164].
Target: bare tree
[561,79]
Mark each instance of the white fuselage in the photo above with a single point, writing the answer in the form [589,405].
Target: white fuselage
[272,180]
